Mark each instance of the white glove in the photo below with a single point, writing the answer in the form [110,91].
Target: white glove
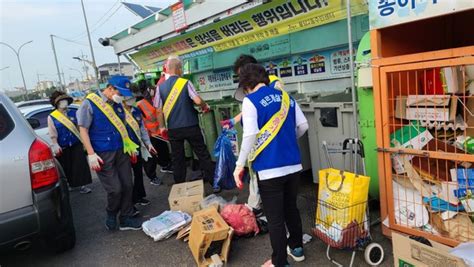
[57,150]
[95,162]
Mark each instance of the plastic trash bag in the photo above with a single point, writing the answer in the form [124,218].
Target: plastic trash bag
[216,200]
[240,218]
[166,224]
[225,164]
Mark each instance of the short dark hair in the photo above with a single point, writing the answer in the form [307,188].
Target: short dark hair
[243,60]
[251,75]
[55,95]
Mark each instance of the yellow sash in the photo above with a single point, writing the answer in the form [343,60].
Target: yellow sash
[129,147]
[64,120]
[271,128]
[173,96]
[273,78]
[136,129]
[132,123]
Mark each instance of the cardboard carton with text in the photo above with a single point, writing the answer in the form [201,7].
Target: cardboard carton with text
[209,235]
[186,197]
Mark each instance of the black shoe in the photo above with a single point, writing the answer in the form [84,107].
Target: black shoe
[111,222]
[129,223]
[143,202]
[156,181]
[135,212]
[167,169]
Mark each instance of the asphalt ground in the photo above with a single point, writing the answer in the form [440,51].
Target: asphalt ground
[97,246]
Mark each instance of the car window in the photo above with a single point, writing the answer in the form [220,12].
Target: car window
[6,123]
[42,117]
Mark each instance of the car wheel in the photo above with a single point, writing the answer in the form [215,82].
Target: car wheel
[63,241]
[65,237]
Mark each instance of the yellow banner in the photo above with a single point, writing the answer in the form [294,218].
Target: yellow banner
[257,24]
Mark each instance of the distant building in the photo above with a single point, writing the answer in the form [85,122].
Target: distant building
[110,69]
[16,92]
[43,85]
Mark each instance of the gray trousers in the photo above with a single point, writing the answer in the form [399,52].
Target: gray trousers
[116,178]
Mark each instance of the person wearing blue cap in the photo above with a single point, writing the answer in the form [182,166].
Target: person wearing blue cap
[102,126]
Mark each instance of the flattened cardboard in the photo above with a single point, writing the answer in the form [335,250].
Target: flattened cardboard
[409,253]
[426,107]
[208,226]
[186,196]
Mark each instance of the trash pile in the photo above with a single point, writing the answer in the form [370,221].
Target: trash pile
[433,177]
[206,224]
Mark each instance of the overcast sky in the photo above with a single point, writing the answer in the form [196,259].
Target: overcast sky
[25,20]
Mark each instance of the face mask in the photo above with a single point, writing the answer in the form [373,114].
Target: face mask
[62,104]
[152,93]
[130,102]
[117,99]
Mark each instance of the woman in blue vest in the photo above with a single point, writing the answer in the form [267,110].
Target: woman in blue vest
[278,165]
[66,143]
[142,139]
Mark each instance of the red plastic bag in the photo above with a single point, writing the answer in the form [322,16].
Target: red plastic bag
[241,219]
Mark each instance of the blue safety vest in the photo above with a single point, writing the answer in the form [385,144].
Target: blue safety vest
[102,133]
[65,137]
[283,150]
[183,114]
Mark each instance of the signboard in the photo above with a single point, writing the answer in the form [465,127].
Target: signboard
[321,65]
[215,80]
[385,13]
[340,61]
[276,18]
[179,18]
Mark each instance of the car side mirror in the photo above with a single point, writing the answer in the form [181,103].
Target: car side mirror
[35,123]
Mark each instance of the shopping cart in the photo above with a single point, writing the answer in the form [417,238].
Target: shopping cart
[356,235]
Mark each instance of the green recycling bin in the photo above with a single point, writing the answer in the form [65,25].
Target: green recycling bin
[367,118]
[209,130]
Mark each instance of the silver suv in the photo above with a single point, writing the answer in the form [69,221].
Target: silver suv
[34,198]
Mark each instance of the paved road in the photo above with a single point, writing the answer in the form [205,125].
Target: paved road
[98,247]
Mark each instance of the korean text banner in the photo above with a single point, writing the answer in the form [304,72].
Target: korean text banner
[385,13]
[260,23]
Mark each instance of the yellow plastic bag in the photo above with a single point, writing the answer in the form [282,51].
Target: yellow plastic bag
[342,198]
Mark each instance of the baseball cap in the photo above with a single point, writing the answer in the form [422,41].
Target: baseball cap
[121,83]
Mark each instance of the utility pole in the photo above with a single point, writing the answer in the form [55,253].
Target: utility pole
[351,68]
[57,65]
[17,53]
[64,79]
[96,70]
[119,64]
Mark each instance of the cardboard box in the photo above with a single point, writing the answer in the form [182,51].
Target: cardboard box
[208,227]
[409,253]
[409,136]
[186,196]
[426,107]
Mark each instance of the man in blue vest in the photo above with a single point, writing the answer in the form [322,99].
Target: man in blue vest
[175,100]
[104,143]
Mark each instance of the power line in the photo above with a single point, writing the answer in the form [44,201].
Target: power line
[68,40]
[84,33]
[107,19]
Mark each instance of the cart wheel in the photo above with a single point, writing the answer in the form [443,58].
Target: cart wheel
[374,254]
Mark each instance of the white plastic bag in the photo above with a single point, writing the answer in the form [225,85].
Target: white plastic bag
[216,200]
[166,224]
[409,209]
